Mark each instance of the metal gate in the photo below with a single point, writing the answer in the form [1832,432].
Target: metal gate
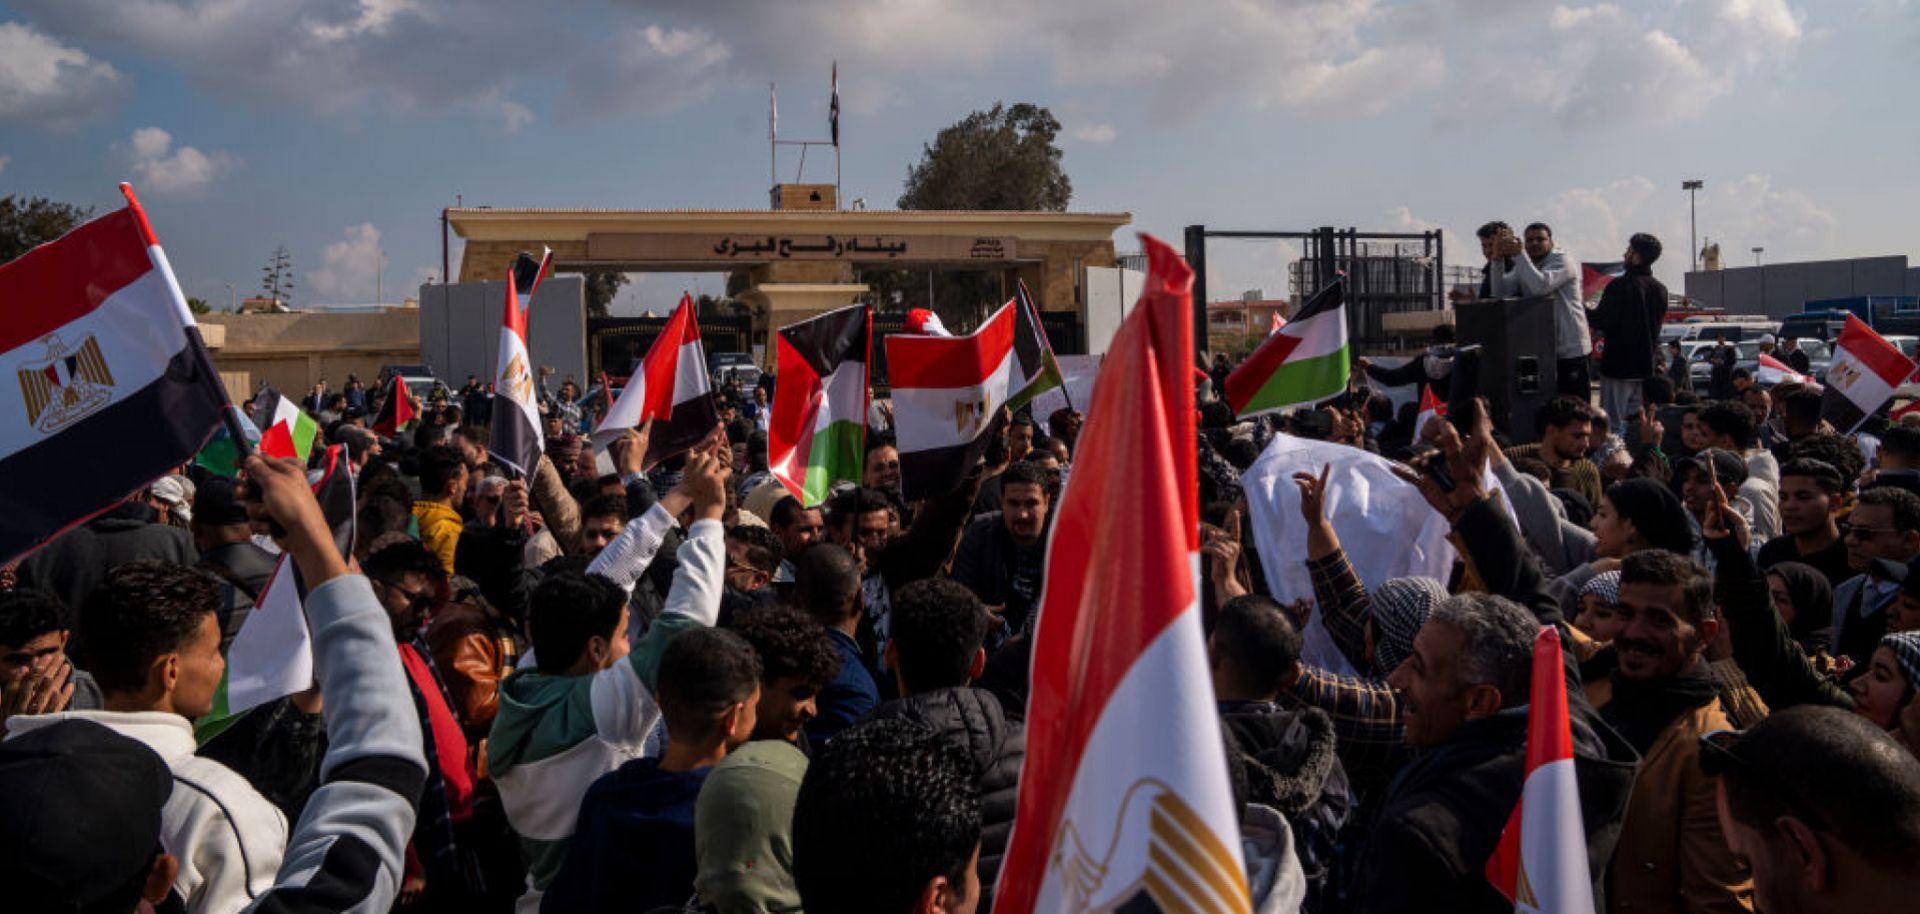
[1387,272]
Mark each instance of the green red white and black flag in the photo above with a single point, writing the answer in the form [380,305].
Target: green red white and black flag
[1034,370]
[285,429]
[818,431]
[1301,364]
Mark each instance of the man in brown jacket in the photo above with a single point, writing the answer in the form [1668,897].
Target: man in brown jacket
[1672,854]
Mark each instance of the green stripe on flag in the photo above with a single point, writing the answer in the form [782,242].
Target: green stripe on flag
[1301,382]
[836,455]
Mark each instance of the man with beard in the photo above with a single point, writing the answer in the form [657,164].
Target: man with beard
[798,528]
[1002,557]
[1566,435]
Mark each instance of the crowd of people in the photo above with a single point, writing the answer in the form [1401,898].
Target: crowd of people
[677,687]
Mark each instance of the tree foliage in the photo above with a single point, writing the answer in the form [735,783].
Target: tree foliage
[29,221]
[1003,158]
[276,278]
[601,290]
[198,305]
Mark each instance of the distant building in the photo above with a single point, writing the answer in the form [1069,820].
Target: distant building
[1781,289]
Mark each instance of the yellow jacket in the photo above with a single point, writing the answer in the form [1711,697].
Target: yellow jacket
[440,528]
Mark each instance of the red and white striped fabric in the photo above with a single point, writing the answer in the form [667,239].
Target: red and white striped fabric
[516,438]
[670,388]
[110,387]
[1541,862]
[1862,376]
[1431,407]
[947,392]
[1124,801]
[1773,371]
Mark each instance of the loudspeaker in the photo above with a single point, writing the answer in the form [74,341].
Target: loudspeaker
[1517,366]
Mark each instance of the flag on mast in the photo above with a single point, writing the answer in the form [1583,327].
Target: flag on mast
[517,440]
[115,386]
[670,388]
[1035,370]
[1124,799]
[1302,364]
[1541,861]
[1865,371]
[817,433]
[833,110]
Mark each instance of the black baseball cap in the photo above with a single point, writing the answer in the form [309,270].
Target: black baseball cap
[82,806]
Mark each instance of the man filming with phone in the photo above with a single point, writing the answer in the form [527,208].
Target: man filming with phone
[1536,266]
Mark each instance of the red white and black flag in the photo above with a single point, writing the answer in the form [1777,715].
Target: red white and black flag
[112,385]
[670,388]
[947,395]
[516,438]
[1865,371]
[1124,800]
[397,411]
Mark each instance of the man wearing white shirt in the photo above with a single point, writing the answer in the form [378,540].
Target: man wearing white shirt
[1548,270]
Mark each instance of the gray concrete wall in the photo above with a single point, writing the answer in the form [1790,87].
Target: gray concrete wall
[1780,289]
[460,328]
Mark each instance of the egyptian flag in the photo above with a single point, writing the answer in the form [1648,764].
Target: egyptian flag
[1431,407]
[1594,278]
[1303,364]
[285,430]
[1541,861]
[397,412]
[1034,370]
[947,395]
[833,110]
[1773,371]
[113,387]
[516,438]
[1862,377]
[272,655]
[818,431]
[670,388]
[1124,801]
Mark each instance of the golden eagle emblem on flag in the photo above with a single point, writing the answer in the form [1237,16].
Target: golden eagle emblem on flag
[69,384]
[1163,857]
[970,415]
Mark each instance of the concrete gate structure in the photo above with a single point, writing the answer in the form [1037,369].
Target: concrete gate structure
[799,262]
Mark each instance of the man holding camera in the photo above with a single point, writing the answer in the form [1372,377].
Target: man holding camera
[1547,270]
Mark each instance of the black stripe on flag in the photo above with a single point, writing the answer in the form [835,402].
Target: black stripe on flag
[1844,414]
[97,462]
[692,421]
[1028,346]
[826,341]
[1331,296]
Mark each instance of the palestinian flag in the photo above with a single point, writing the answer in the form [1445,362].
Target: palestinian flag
[1431,407]
[516,440]
[397,412]
[1034,370]
[1541,861]
[1862,377]
[1124,800]
[818,431]
[1773,371]
[1594,278]
[110,386]
[1303,364]
[670,388]
[221,456]
[285,430]
[272,655]
[947,395]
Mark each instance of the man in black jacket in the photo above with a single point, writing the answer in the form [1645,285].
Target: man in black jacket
[1629,314]
[1464,690]
[1002,557]
[78,561]
[938,631]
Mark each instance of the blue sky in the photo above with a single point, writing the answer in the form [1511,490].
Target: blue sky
[341,127]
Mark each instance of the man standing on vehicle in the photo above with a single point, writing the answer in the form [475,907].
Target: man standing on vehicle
[1629,315]
[1550,271]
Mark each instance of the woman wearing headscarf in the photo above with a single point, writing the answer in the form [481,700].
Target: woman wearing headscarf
[1803,597]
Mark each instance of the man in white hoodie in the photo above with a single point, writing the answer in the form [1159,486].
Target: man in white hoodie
[153,642]
[1552,271]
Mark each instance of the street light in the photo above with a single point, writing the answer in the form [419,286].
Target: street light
[1756,255]
[1692,187]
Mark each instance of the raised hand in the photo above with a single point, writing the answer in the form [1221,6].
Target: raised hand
[285,504]
[1313,494]
[29,692]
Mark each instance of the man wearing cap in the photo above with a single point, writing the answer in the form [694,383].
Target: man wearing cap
[1810,494]
[95,820]
[1824,806]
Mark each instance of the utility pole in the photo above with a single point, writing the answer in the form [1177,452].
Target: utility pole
[1692,187]
[1756,255]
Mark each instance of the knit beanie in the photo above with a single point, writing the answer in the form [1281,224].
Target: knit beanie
[1906,649]
[1400,607]
[1605,585]
[1655,512]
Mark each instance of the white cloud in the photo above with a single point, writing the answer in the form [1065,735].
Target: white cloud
[3,162]
[1753,210]
[647,70]
[1093,133]
[160,167]
[515,115]
[346,272]
[46,83]
[1236,267]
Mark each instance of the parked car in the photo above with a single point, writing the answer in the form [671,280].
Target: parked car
[419,378]
[723,367]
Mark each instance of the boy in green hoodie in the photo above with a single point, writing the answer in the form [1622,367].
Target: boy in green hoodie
[588,704]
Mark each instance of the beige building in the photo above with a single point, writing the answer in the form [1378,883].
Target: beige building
[292,350]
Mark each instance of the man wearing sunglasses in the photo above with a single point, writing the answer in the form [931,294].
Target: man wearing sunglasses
[1824,807]
[1885,524]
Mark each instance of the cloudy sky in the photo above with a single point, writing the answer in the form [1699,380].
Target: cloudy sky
[339,128]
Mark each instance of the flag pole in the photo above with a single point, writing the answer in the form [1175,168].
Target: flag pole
[203,363]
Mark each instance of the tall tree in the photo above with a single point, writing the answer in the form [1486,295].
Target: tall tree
[29,221]
[276,278]
[1001,158]
[198,305]
[601,289]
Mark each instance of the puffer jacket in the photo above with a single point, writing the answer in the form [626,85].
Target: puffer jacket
[972,719]
[1287,761]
